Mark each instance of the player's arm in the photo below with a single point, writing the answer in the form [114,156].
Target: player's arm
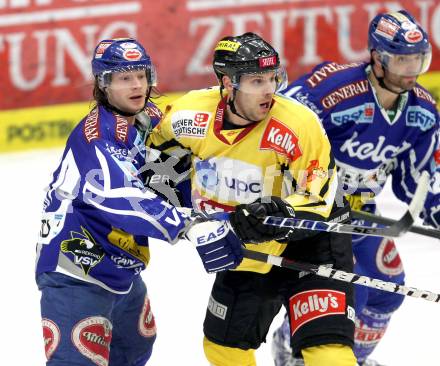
[423,155]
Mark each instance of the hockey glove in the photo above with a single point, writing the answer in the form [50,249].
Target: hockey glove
[247,220]
[217,245]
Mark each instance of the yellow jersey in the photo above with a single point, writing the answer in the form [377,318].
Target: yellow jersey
[286,155]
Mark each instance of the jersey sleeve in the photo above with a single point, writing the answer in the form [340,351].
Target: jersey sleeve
[94,176]
[422,156]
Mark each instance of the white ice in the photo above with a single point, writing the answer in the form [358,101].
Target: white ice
[177,284]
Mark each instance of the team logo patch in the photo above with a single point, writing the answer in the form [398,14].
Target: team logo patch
[417,116]
[86,253]
[132,55]
[190,123]
[281,139]
[92,337]
[388,259]
[51,336]
[147,324]
[413,36]
[386,28]
[313,304]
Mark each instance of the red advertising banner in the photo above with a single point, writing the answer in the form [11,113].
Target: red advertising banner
[46,45]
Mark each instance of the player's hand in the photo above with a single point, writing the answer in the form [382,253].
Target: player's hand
[217,245]
[247,220]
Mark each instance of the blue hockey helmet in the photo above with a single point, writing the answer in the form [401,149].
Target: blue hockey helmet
[121,55]
[398,33]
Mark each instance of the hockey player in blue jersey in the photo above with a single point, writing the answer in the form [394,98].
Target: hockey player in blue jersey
[381,124]
[97,219]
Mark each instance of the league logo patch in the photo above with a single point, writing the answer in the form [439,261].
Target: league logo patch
[92,337]
[86,252]
[387,258]
[51,336]
[147,324]
[313,304]
[281,139]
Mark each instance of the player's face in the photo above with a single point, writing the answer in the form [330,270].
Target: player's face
[254,97]
[398,82]
[127,90]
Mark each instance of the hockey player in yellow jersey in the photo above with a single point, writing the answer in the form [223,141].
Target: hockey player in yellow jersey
[255,153]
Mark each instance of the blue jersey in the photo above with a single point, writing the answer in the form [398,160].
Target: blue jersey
[368,144]
[97,213]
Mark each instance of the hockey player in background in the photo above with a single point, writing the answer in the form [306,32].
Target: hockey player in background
[255,153]
[98,217]
[381,124]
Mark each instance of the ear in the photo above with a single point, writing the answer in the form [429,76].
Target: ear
[227,83]
[376,63]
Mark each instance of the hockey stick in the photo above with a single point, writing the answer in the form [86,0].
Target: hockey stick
[363,215]
[324,271]
[400,227]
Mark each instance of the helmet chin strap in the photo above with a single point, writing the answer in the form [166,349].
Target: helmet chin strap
[385,86]
[234,110]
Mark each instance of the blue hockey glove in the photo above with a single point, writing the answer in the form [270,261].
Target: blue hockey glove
[218,246]
[247,220]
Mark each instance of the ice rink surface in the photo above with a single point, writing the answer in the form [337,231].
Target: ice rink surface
[177,284]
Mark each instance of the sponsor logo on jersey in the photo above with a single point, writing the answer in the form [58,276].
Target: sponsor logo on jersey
[376,151]
[368,336]
[437,156]
[190,123]
[91,126]
[281,139]
[346,92]
[51,336]
[86,253]
[359,114]
[152,111]
[92,337]
[121,129]
[228,179]
[325,71]
[387,28]
[217,309]
[388,259]
[423,94]
[417,116]
[147,324]
[303,98]
[313,304]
